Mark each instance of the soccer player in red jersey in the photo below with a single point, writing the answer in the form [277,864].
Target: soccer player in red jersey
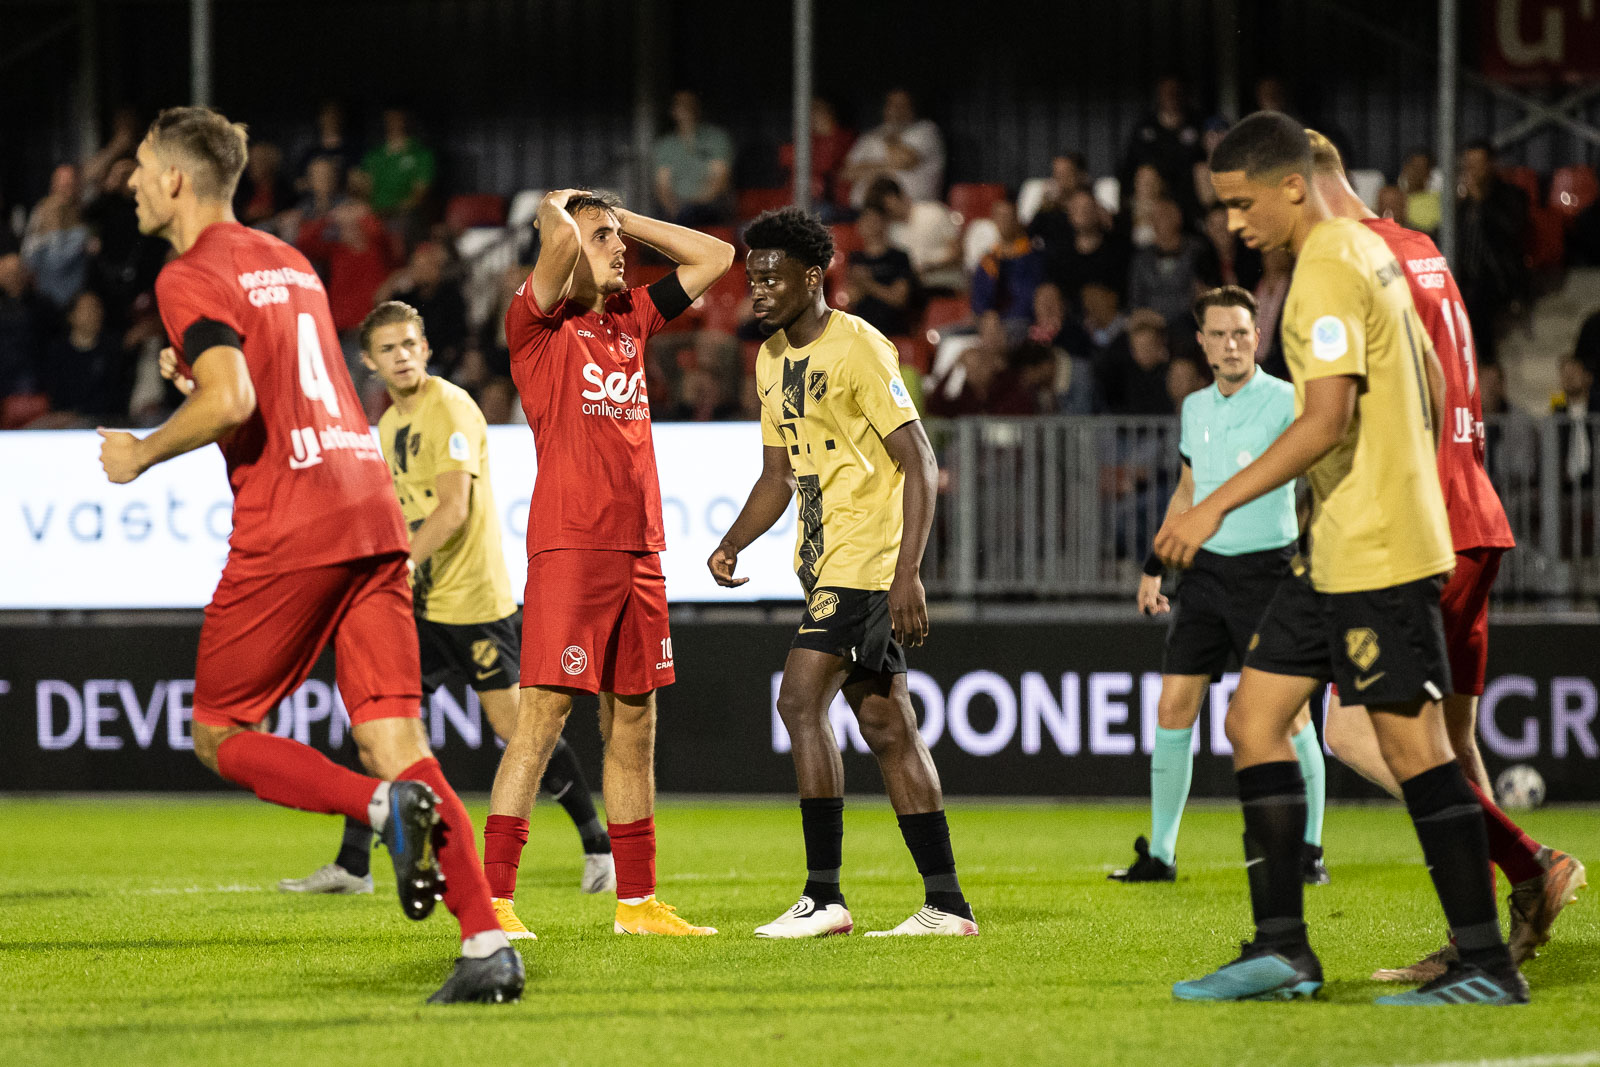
[318,549]
[595,612]
[1543,879]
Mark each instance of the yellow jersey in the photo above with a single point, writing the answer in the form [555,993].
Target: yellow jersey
[1377,516]
[829,405]
[465,580]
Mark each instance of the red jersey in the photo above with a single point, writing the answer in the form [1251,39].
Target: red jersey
[310,485]
[581,376]
[1477,519]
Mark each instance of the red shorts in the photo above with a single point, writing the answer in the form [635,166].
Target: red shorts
[262,635]
[1465,607]
[596,620]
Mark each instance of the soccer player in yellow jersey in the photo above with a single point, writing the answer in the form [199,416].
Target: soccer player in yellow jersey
[436,442]
[838,426]
[1368,395]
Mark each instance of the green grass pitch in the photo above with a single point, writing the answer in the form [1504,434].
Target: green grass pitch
[139,930]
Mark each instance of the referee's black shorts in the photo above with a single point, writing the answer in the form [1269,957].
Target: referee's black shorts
[483,654]
[1220,601]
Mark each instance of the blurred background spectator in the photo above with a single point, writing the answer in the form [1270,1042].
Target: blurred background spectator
[429,283]
[400,172]
[1010,271]
[1167,274]
[906,148]
[693,165]
[1168,139]
[1492,230]
[880,280]
[56,246]
[1134,375]
[85,370]
[1422,197]
[329,141]
[925,231]
[264,191]
[24,326]
[830,144]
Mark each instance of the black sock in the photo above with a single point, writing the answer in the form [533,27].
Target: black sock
[563,779]
[355,851]
[822,823]
[1455,845]
[928,837]
[1274,800]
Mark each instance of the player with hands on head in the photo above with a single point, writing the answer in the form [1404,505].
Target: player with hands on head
[595,608]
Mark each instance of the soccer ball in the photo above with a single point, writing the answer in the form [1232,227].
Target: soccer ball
[1519,788]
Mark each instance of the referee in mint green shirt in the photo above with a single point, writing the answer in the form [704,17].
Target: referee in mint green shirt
[1222,596]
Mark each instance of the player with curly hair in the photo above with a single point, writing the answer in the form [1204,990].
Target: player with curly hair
[838,426]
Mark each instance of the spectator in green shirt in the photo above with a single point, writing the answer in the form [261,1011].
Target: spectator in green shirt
[401,168]
[694,163]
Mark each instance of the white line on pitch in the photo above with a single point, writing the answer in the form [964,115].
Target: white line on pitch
[1564,1059]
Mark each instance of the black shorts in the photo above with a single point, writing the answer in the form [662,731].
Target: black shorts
[853,624]
[484,654]
[1220,601]
[1379,646]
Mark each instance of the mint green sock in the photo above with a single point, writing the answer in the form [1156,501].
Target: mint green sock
[1308,750]
[1171,768]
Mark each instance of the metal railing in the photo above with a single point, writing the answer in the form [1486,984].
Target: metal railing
[1057,507]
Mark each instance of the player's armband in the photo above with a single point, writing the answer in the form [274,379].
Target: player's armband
[668,296]
[204,334]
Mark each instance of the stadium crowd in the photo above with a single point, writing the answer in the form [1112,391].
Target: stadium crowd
[1069,294]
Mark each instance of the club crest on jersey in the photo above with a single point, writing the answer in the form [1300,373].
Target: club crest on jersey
[1361,645]
[485,654]
[574,659]
[817,384]
[823,605]
[626,343]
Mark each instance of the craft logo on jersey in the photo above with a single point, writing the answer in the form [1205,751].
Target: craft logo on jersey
[1361,645]
[618,395]
[817,385]
[484,653]
[574,659]
[823,604]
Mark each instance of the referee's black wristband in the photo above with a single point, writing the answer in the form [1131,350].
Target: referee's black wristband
[1153,567]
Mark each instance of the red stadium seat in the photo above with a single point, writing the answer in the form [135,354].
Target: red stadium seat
[1526,179]
[474,209]
[753,202]
[974,200]
[19,409]
[1572,189]
[1546,249]
[944,311]
[718,308]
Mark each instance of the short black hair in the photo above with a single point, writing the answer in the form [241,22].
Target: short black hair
[1481,144]
[1268,143]
[797,234]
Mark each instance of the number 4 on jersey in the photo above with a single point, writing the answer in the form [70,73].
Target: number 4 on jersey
[314,380]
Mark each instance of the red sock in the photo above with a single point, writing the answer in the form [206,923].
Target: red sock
[503,838]
[1515,852]
[281,771]
[633,847]
[466,893]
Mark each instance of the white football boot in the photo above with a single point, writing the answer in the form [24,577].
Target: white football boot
[805,919]
[930,920]
[329,878]
[599,873]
